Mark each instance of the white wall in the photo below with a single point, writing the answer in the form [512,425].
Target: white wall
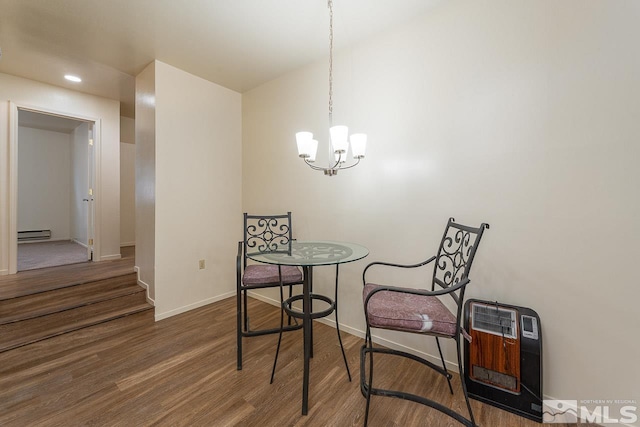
[520,114]
[127,182]
[198,184]
[127,194]
[145,171]
[127,130]
[44,181]
[24,92]
[80,184]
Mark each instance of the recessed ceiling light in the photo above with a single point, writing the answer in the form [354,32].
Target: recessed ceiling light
[73,78]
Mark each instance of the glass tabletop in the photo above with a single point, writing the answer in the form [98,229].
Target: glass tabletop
[312,253]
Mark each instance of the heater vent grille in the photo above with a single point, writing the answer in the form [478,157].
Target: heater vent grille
[503,380]
[494,320]
[34,235]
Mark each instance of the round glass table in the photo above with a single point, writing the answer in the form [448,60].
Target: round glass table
[309,254]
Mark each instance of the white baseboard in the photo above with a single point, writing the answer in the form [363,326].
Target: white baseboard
[110,257]
[195,305]
[4,272]
[123,244]
[360,333]
[144,285]
[61,239]
[80,243]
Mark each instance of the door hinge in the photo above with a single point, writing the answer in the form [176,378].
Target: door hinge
[91,241]
[91,191]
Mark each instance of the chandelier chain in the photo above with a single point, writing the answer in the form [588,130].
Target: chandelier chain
[330,5]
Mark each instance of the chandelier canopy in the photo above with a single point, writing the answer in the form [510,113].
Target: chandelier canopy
[339,135]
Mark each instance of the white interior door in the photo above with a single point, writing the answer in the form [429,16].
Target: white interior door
[90,191]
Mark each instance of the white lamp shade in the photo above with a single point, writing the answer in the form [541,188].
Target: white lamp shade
[341,156]
[314,151]
[305,144]
[339,138]
[358,145]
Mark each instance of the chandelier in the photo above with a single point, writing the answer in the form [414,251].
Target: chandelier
[339,135]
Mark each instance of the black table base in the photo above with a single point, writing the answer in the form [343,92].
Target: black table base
[308,315]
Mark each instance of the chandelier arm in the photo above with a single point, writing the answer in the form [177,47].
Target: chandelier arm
[350,166]
[314,167]
[336,165]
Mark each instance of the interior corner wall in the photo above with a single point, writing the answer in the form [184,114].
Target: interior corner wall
[127,194]
[188,183]
[67,102]
[127,130]
[145,177]
[127,182]
[198,190]
[520,114]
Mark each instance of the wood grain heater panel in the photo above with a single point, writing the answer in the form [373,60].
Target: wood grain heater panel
[495,358]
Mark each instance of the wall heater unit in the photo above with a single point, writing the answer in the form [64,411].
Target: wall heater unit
[503,361]
[24,236]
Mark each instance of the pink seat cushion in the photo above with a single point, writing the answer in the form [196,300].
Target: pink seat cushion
[265,274]
[408,312]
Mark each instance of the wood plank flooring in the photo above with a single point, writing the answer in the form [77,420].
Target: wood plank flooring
[181,371]
[28,331]
[68,297]
[45,279]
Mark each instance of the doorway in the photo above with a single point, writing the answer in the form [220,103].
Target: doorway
[54,178]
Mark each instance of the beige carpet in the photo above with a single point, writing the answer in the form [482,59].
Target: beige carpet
[49,254]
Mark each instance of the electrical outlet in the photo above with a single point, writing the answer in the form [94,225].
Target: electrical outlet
[201,264]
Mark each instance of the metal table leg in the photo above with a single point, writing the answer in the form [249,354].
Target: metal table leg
[306,309]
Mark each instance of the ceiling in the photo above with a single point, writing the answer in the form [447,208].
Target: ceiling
[238,44]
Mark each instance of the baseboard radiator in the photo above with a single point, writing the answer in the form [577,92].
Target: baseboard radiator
[27,235]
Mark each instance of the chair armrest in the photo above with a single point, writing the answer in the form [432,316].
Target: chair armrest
[423,292]
[390,264]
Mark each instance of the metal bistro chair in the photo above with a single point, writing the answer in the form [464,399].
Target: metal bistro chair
[262,233]
[420,311]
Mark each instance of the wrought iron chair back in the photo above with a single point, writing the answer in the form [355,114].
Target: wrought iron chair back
[266,233]
[455,256]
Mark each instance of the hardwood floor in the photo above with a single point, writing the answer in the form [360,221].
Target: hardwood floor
[45,279]
[42,303]
[39,304]
[181,371]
